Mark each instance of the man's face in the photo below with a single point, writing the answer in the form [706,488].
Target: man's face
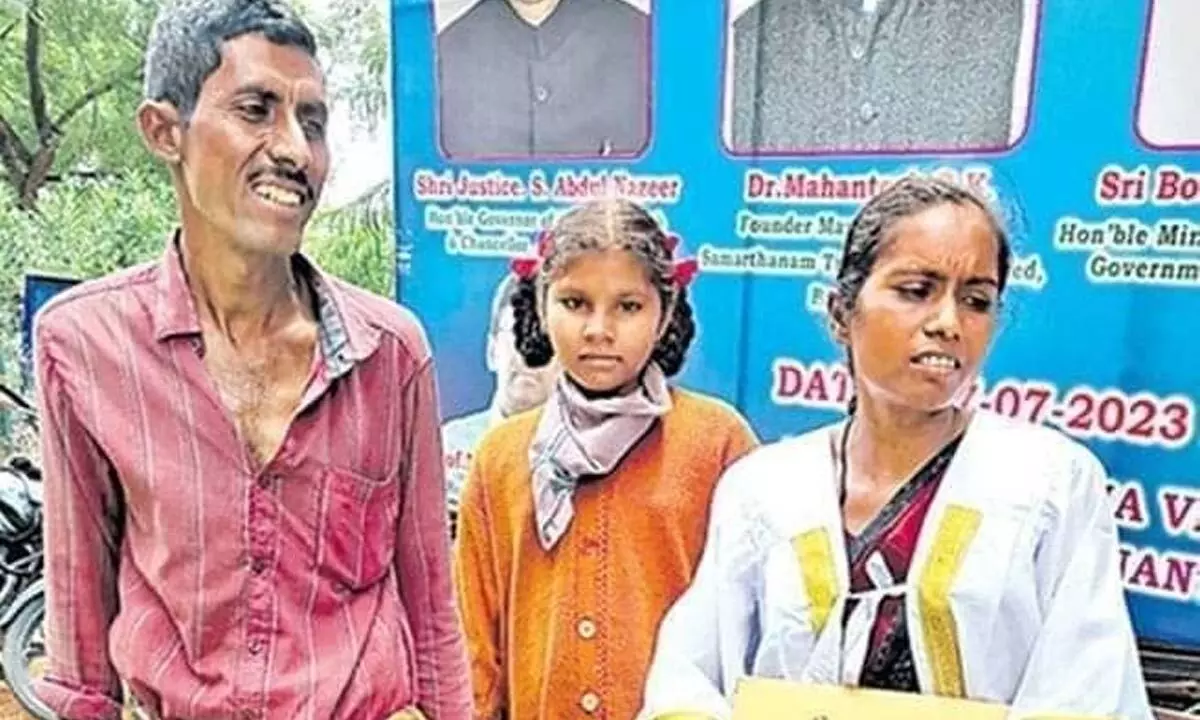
[518,386]
[254,157]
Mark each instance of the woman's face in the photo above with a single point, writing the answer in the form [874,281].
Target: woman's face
[926,314]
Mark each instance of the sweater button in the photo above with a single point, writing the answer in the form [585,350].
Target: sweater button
[590,702]
[587,629]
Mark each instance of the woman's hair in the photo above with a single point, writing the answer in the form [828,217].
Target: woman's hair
[601,225]
[871,230]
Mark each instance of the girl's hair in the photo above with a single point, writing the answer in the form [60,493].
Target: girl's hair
[870,231]
[601,225]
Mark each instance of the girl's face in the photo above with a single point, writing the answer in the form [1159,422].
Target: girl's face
[604,318]
[926,313]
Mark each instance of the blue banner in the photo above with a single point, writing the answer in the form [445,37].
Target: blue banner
[765,125]
[37,292]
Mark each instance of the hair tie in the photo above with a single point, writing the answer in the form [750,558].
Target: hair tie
[671,243]
[527,267]
[684,271]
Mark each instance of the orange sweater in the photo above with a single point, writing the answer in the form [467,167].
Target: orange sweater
[570,632]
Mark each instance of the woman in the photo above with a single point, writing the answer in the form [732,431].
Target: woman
[916,546]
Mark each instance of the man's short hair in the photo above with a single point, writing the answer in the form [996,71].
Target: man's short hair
[184,47]
[502,300]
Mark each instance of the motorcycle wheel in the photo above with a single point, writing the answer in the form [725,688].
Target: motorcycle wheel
[23,645]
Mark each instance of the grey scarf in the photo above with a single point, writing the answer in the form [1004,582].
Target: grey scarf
[578,439]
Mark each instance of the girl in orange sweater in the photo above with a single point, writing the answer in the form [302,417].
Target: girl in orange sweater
[581,522]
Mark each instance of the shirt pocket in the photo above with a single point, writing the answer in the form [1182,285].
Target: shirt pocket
[358,540]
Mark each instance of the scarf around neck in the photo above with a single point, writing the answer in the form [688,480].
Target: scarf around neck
[580,439]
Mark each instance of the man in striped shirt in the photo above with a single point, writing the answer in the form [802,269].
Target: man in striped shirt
[244,492]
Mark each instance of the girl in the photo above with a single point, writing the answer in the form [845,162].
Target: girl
[914,546]
[582,522]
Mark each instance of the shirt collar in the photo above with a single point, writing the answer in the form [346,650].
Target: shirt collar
[345,333]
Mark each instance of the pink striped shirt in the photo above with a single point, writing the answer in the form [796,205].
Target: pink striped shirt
[315,586]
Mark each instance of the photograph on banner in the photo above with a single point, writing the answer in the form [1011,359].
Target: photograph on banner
[1168,109]
[812,76]
[518,80]
[517,388]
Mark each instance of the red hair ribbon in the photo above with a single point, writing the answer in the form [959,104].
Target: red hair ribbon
[684,272]
[671,242]
[527,267]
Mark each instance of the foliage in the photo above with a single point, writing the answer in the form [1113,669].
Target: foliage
[356,242]
[69,82]
[354,37]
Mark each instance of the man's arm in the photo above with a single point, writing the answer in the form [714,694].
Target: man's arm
[423,557]
[82,543]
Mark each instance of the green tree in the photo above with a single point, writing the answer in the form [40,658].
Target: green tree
[357,241]
[354,35]
[69,81]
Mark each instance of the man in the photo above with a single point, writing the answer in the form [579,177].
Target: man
[243,481]
[527,78]
[518,388]
[852,75]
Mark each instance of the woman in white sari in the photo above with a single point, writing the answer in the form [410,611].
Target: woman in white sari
[914,546]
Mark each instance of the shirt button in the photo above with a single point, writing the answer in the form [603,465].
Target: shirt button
[258,565]
[541,93]
[858,51]
[587,629]
[867,112]
[590,702]
[255,646]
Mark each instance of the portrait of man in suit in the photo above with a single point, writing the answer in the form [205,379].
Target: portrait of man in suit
[543,78]
[877,75]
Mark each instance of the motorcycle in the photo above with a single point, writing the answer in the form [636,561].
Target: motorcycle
[22,588]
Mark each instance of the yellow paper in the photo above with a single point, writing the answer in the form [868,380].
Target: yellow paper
[762,699]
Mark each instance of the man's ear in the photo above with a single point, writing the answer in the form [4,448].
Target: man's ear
[161,126]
